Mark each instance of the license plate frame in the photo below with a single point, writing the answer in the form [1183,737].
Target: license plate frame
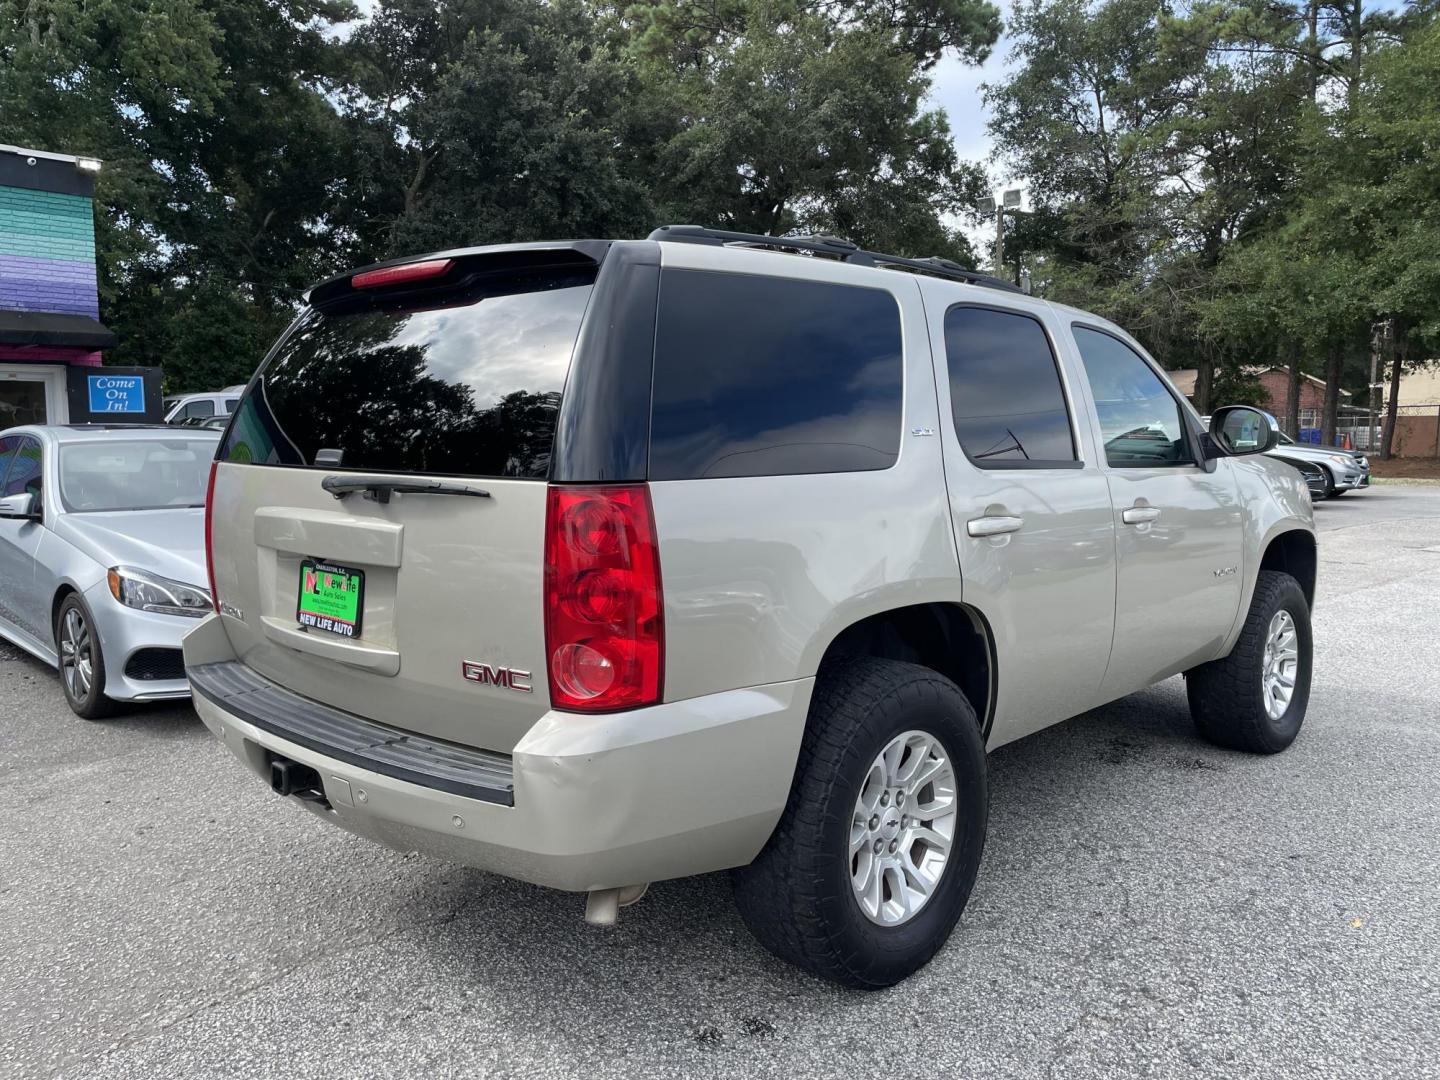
[330,609]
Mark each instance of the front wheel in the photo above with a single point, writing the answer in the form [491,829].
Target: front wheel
[82,667]
[1255,698]
[876,853]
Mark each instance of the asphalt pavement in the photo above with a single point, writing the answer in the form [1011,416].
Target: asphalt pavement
[1148,905]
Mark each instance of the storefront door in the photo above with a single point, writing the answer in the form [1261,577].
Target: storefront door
[31,395]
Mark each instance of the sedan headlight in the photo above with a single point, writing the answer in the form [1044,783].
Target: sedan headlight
[151,592]
[1343,459]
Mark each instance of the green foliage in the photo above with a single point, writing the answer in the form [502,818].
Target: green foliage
[220,151]
[253,147]
[802,125]
[1238,182]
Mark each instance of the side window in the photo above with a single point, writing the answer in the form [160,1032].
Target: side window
[1005,392]
[762,376]
[199,408]
[1140,422]
[8,446]
[24,474]
[230,404]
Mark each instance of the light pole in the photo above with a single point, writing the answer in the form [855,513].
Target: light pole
[1009,200]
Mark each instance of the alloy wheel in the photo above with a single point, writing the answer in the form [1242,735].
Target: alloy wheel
[903,828]
[1282,664]
[77,666]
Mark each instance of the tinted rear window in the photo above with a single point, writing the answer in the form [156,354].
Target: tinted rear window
[759,376]
[1005,393]
[468,389]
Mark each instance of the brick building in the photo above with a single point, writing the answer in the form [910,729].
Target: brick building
[49,309]
[1276,382]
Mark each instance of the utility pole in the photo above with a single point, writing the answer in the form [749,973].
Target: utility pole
[1377,343]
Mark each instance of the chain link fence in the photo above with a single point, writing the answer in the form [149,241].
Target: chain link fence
[1417,430]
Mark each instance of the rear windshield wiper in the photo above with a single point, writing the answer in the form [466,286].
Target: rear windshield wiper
[381,490]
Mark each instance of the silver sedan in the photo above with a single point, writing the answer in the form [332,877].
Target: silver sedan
[102,555]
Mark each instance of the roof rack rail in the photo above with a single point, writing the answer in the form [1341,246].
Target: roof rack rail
[834,247]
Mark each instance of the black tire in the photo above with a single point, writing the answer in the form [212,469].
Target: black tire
[1330,489]
[1226,696]
[796,897]
[92,704]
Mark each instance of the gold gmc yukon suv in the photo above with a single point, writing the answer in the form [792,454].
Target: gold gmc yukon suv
[596,563]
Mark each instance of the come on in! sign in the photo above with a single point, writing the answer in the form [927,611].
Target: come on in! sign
[117,393]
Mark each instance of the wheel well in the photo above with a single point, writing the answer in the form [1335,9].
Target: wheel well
[949,638]
[1293,553]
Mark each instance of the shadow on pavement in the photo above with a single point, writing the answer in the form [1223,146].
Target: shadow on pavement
[685,938]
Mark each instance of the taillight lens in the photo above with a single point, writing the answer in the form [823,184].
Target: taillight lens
[209,528]
[604,616]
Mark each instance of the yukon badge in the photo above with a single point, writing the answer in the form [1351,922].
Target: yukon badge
[503,677]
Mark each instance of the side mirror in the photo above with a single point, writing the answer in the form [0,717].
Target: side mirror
[1241,430]
[20,506]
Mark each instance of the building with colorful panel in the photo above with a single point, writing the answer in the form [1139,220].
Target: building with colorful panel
[49,308]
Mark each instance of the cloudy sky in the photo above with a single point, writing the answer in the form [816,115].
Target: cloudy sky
[956,89]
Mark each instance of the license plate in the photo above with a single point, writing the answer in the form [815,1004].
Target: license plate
[331,598]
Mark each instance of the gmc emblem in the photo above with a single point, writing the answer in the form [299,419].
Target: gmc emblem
[503,677]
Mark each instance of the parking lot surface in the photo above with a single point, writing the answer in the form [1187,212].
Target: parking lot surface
[1147,905]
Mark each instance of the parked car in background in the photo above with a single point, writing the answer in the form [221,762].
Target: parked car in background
[1328,470]
[1316,478]
[1344,470]
[193,408]
[102,555]
[656,558]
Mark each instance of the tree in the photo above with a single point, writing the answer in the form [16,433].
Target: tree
[220,150]
[488,122]
[816,132]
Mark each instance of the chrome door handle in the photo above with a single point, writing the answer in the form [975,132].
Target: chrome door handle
[993,526]
[1140,515]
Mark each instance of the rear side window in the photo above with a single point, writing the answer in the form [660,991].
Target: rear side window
[1005,393]
[763,376]
[470,388]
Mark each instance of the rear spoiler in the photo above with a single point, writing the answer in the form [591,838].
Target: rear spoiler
[467,266]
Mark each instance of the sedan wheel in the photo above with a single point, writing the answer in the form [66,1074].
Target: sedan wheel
[82,666]
[77,666]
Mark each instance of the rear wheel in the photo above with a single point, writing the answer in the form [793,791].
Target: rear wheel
[1255,698]
[874,858]
[82,667]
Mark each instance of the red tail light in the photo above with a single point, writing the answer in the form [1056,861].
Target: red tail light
[209,526]
[604,616]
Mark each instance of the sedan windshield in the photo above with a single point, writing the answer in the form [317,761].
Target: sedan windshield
[134,474]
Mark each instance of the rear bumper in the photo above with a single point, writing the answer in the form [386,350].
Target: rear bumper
[681,788]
